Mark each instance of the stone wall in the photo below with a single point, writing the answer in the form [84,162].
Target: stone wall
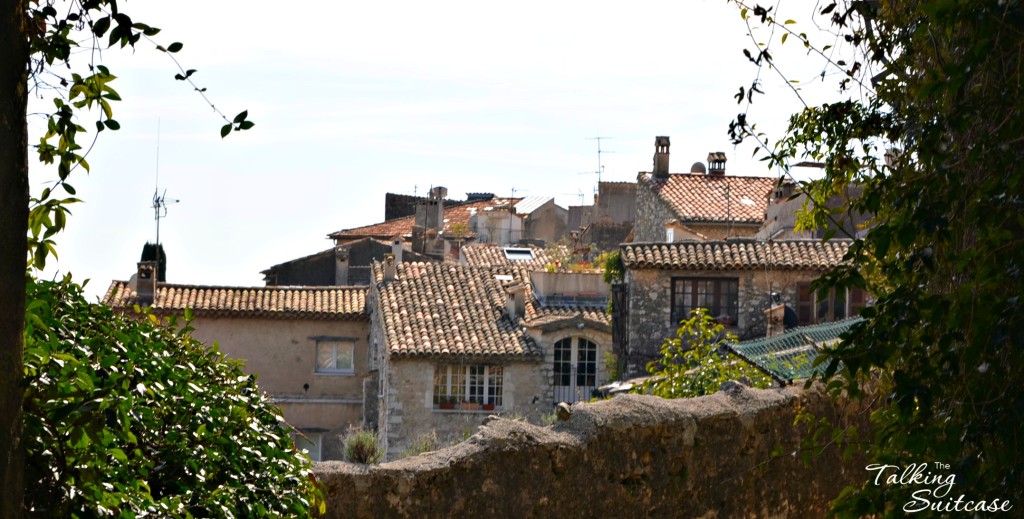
[632,456]
[651,212]
[407,409]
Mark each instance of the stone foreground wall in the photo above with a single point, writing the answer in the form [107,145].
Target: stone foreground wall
[632,456]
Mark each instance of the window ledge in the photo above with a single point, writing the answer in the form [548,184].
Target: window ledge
[467,411]
[335,373]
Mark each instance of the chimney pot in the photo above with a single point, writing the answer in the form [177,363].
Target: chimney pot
[716,163]
[661,146]
[390,268]
[146,282]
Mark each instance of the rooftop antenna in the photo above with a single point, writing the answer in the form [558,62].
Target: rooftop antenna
[600,168]
[160,201]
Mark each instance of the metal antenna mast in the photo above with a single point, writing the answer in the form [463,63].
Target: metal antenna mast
[160,201]
[600,168]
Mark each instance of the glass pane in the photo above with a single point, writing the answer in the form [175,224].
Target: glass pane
[324,357]
[344,361]
[494,385]
[476,384]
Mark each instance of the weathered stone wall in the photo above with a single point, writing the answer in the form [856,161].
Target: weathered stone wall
[651,212]
[650,306]
[632,456]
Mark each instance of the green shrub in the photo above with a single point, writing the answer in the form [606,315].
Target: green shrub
[361,447]
[128,417]
[691,364]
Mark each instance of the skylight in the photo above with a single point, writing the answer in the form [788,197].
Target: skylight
[513,254]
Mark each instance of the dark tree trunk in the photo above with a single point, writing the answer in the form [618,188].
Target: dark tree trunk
[13,226]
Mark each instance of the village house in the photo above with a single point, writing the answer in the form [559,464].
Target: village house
[705,204]
[455,343]
[737,280]
[307,346]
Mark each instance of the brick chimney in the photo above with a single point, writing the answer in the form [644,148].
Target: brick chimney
[661,145]
[146,283]
[716,163]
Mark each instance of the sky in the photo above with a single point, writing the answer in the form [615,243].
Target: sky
[352,100]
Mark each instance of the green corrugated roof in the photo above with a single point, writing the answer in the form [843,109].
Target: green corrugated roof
[791,355]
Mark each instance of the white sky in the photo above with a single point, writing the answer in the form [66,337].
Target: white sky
[355,99]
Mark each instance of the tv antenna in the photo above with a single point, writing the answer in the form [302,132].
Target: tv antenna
[600,167]
[160,201]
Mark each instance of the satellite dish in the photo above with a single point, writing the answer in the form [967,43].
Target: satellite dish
[698,167]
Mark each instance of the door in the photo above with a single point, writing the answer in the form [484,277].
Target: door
[575,370]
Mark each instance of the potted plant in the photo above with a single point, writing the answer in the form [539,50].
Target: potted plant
[488,407]
[447,403]
[470,406]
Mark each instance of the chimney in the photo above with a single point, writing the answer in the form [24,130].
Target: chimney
[390,267]
[396,249]
[340,266]
[515,305]
[661,145]
[716,163]
[775,319]
[146,282]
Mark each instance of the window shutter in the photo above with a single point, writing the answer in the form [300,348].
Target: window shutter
[858,300]
[804,304]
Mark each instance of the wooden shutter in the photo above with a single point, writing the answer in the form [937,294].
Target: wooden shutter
[804,304]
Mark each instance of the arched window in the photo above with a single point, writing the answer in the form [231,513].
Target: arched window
[575,369]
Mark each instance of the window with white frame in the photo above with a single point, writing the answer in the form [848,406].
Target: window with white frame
[309,442]
[469,388]
[334,356]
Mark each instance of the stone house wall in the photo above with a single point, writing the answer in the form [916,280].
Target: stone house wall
[650,305]
[407,410]
[631,456]
[546,370]
[651,212]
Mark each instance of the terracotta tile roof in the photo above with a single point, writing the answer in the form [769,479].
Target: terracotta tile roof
[341,303]
[702,198]
[491,255]
[736,255]
[446,310]
[456,214]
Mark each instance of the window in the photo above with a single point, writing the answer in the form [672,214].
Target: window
[814,307]
[719,296]
[513,254]
[309,442]
[470,388]
[575,369]
[335,357]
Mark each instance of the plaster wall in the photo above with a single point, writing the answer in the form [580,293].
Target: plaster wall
[282,355]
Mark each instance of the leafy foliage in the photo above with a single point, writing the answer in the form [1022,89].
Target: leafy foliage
[611,263]
[932,136]
[132,417]
[691,364]
[361,447]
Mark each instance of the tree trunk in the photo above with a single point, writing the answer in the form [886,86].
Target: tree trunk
[13,226]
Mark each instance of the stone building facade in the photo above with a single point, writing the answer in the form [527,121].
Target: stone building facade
[453,344]
[734,279]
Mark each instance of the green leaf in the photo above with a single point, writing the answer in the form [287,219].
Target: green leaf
[174,47]
[225,130]
[99,27]
[246,125]
[241,116]
[112,124]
